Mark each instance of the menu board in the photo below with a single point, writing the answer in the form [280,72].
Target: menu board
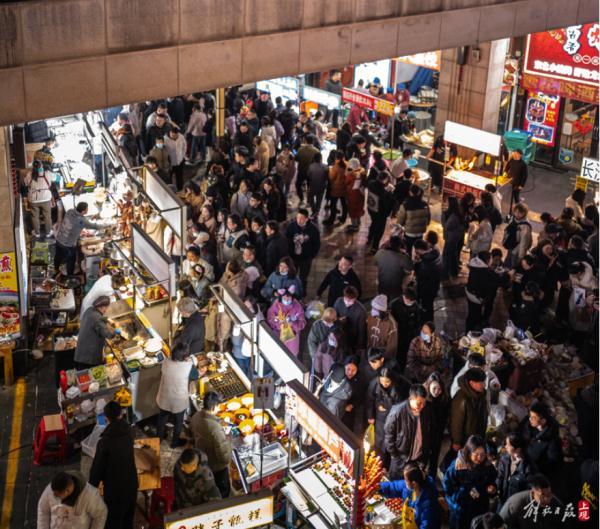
[541,117]
[317,421]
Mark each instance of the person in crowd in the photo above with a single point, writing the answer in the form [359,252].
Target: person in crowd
[414,216]
[272,199]
[276,247]
[114,467]
[454,233]
[337,189]
[330,351]
[382,394]
[479,236]
[236,238]
[44,155]
[207,220]
[380,205]
[352,316]
[517,235]
[540,431]
[305,157]
[408,313]
[436,157]
[514,468]
[163,160]
[193,257]
[439,404]
[191,332]
[255,210]
[67,237]
[240,199]
[244,136]
[525,314]
[407,431]
[382,329]
[425,354]
[262,155]
[317,177]
[420,496]
[286,317]
[173,392]
[401,164]
[339,278]
[69,501]
[343,137]
[357,148]
[428,274]
[284,278]
[304,242]
[482,284]
[210,438]
[488,520]
[200,285]
[285,170]
[176,146]
[469,483]
[340,386]
[516,170]
[568,222]
[488,203]
[535,507]
[320,329]
[193,480]
[94,330]
[402,186]
[195,129]
[355,191]
[104,286]
[394,268]
[476,361]
[39,196]
[575,201]
[469,409]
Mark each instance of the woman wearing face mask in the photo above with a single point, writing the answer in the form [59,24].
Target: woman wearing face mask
[320,330]
[382,394]
[286,317]
[382,329]
[425,354]
[39,197]
[469,483]
[514,468]
[330,351]
[439,404]
[283,278]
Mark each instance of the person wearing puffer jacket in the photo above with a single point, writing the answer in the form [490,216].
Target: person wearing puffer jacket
[414,215]
[69,502]
[420,497]
[284,278]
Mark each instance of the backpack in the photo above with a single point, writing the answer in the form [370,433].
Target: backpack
[511,232]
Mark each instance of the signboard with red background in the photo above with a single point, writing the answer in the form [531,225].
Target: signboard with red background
[541,117]
[367,101]
[564,62]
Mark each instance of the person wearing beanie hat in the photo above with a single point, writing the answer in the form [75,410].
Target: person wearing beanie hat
[94,330]
[382,329]
[469,409]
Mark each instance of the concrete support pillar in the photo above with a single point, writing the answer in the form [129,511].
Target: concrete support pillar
[470,94]
[7,240]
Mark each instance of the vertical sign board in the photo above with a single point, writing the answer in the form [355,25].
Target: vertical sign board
[541,117]
[590,170]
[10,322]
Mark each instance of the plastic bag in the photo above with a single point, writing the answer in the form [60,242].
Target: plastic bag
[88,445]
[286,333]
[370,435]
[314,310]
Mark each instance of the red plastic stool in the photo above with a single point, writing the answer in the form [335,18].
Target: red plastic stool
[51,426]
[161,502]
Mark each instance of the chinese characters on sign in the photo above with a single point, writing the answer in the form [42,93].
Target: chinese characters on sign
[368,101]
[541,117]
[590,170]
[536,513]
[10,326]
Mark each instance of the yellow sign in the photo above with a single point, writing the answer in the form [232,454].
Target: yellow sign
[385,107]
[581,183]
[10,324]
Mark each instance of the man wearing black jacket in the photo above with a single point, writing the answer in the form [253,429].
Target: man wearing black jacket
[516,170]
[276,247]
[304,243]
[428,270]
[481,286]
[380,204]
[339,278]
[114,466]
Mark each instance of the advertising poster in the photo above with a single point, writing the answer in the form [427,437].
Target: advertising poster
[541,117]
[10,323]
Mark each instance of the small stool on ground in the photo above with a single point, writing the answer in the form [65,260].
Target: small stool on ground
[51,427]
[162,502]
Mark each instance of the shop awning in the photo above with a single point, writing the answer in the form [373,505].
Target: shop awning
[547,85]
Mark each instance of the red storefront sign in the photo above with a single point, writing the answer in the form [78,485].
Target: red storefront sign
[367,101]
[564,62]
[541,117]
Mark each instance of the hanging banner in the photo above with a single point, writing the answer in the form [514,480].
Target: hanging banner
[541,117]
[368,102]
[10,322]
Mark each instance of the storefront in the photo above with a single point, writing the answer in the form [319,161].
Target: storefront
[560,101]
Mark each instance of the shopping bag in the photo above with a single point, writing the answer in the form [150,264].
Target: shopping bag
[286,332]
[370,435]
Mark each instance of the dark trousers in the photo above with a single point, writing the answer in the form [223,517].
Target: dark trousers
[222,481]
[163,417]
[451,259]
[303,267]
[333,212]
[198,146]
[376,230]
[121,512]
[427,305]
[410,241]
[474,316]
[516,194]
[177,175]
[300,180]
[314,200]
[65,254]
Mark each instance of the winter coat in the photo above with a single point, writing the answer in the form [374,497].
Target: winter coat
[196,123]
[383,332]
[454,229]
[544,448]
[458,484]
[114,463]
[482,282]
[415,216]
[491,380]
[38,191]
[276,282]
[392,266]
[93,333]
[516,514]
[342,139]
[508,484]
[233,244]
[71,226]
[269,136]
[192,333]
[380,397]
[524,241]
[173,391]
[210,438]
[424,358]
[196,488]
[356,197]
[468,413]
[318,333]
[427,513]
[380,202]
[480,239]
[355,323]
[317,177]
[336,400]
[292,315]
[304,157]
[262,155]
[336,282]
[337,180]
[304,241]
[326,357]
[409,319]
[428,271]
[400,430]
[239,203]
[285,167]
[516,170]
[276,247]
[88,512]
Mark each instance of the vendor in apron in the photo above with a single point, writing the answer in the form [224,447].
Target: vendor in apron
[420,507]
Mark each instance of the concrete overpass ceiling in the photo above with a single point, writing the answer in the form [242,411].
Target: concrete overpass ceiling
[64,56]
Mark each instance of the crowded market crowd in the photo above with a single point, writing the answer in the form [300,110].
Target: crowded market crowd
[259,201]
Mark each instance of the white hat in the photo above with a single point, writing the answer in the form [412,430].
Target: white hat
[379,302]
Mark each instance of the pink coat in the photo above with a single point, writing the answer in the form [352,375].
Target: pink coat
[293,314]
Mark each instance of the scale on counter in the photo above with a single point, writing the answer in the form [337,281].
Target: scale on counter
[227,384]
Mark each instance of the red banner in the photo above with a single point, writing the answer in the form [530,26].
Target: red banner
[367,101]
[541,117]
[579,92]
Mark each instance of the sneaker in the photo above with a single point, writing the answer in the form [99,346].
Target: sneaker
[36,234]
